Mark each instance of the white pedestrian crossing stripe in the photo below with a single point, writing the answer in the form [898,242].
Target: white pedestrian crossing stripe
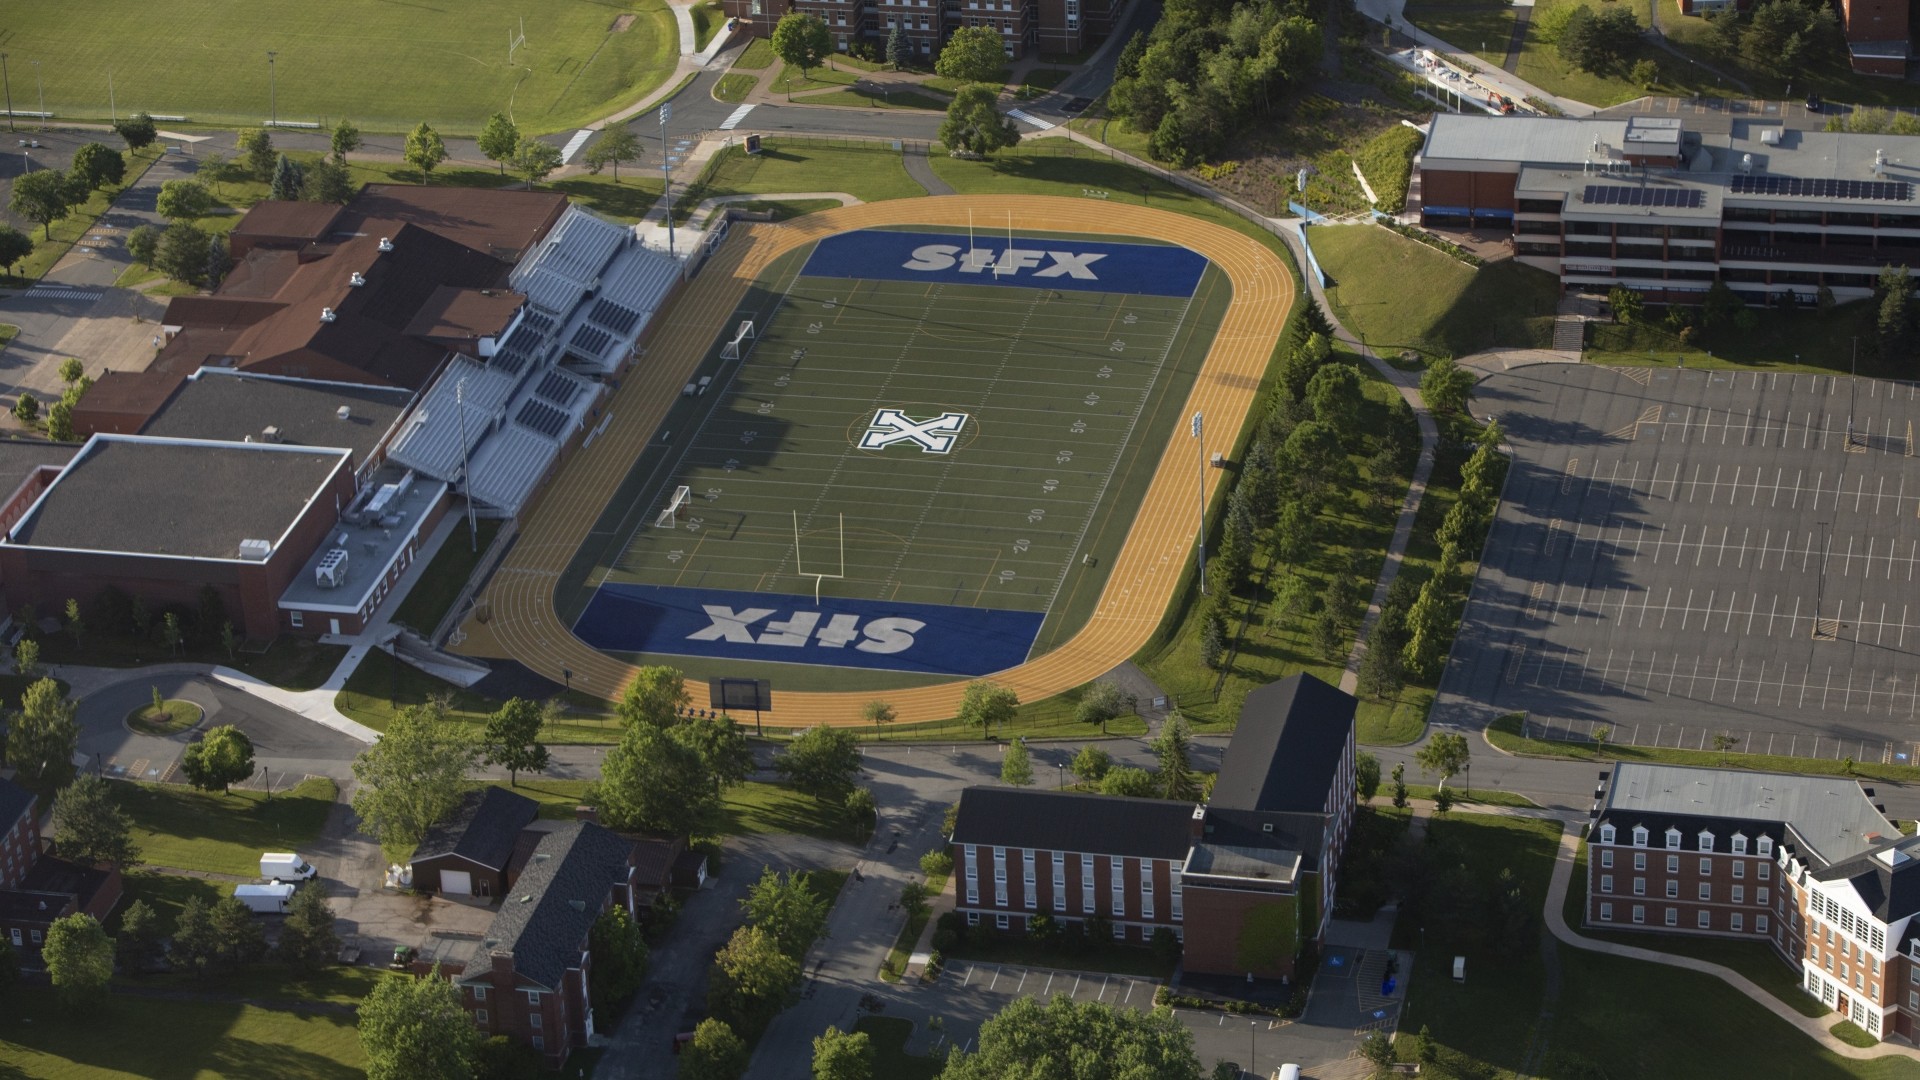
[65,292]
[574,144]
[1034,120]
[733,119]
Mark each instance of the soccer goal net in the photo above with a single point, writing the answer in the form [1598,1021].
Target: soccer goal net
[676,508]
[731,350]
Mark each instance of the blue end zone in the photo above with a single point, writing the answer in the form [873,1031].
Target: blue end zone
[1053,263]
[925,638]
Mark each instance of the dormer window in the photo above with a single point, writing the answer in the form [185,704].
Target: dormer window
[1706,840]
[1639,836]
[1606,834]
[1765,846]
[1673,838]
[1739,844]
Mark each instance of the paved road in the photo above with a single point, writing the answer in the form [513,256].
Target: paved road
[285,743]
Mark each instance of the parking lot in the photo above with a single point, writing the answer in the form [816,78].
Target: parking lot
[1716,550]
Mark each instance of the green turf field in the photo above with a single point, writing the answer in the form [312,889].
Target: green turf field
[386,64]
[1069,399]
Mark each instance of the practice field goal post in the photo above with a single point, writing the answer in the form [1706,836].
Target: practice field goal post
[731,350]
[676,508]
[799,563]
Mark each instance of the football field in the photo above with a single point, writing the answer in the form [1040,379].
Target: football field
[909,471]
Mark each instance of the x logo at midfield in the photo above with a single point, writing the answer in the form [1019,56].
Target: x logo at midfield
[935,436]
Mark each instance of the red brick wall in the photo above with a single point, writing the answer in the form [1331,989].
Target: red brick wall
[1722,881]
[1459,187]
[1131,907]
[1214,918]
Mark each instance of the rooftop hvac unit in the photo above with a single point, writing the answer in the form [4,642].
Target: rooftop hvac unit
[326,314]
[332,571]
[256,550]
[382,499]
[270,434]
[358,279]
[1746,163]
[386,244]
[1770,136]
[344,412]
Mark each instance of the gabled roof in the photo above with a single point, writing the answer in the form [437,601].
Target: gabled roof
[1070,821]
[1831,818]
[1286,748]
[1891,892]
[543,921]
[481,829]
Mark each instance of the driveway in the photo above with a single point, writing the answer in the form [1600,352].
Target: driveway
[287,744]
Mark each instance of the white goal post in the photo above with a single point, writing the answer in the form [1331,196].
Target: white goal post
[670,517]
[731,350]
[799,564]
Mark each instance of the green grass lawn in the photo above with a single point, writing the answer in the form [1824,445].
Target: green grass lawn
[1049,718]
[1505,734]
[1804,340]
[427,603]
[861,98]
[386,65]
[789,165]
[1397,294]
[125,1036]
[952,86]
[1394,723]
[781,209]
[1481,27]
[166,894]
[708,18]
[290,663]
[735,86]
[792,80]
[382,685]
[184,829]
[1463,796]
[757,56]
[751,808]
[275,983]
[8,332]
[895,965]
[888,1036]
[172,717]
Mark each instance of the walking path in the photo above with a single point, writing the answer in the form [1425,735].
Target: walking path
[918,167]
[1394,14]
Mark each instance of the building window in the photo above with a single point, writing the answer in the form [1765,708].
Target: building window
[1673,838]
[1639,886]
[1639,860]
[1119,932]
[1736,922]
[1739,868]
[539,1043]
[1606,882]
[1706,840]
[1739,844]
[1000,922]
[1673,864]
[1673,916]
[1765,846]
[1606,834]
[533,999]
[1059,897]
[479,993]
[1673,890]
[1706,867]
[1760,924]
[1639,836]
[1606,859]
[1766,871]
[1606,912]
[480,1017]
[536,1021]
[1000,892]
[973,894]
[1639,913]
[1706,891]
[1033,897]
[1704,920]
[973,918]
[36,937]
[296,619]
[1739,894]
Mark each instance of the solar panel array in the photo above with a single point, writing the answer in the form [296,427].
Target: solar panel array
[558,389]
[591,339]
[542,418]
[1616,195]
[1874,190]
[614,317]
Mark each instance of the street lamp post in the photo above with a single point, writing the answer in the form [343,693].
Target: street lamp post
[1201,443]
[1062,766]
[666,166]
[1253,1029]
[42,89]
[7,81]
[273,91]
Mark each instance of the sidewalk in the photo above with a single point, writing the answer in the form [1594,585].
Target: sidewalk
[1393,13]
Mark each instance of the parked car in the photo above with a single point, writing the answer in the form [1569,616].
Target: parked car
[1813,102]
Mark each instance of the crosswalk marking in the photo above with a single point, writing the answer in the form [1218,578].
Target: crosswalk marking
[574,144]
[733,119]
[65,292]
[1034,120]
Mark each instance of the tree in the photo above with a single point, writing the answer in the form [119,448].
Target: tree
[1442,801]
[26,409]
[79,957]
[425,150]
[1377,1049]
[1213,637]
[288,181]
[43,735]
[652,781]
[328,181]
[1171,750]
[142,242]
[973,54]
[512,739]
[237,936]
[1646,74]
[1313,457]
[182,252]
[722,747]
[415,1029]
[656,696]
[43,197]
[936,863]
[193,946]
[822,762]
[229,640]
[1091,764]
[218,262]
[1400,785]
[256,147]
[1126,780]
[877,712]
[138,130]
[308,941]
[345,140]
[96,166]
[1016,765]
[138,944]
[1626,304]
[535,160]
[862,808]
[1445,754]
[1445,385]
[1893,328]
[1366,776]
[1072,1040]
[985,704]
[412,776]
[1334,393]
[211,169]
[715,1053]
[619,950]
[896,48]
[90,826]
[838,1055]
[801,40]
[14,246]
[614,147]
[973,125]
[786,907]
[499,140]
[171,634]
[26,659]
[752,980]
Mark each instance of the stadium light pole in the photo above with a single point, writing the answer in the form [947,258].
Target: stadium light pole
[460,407]
[273,91]
[7,80]
[1199,426]
[666,167]
[42,88]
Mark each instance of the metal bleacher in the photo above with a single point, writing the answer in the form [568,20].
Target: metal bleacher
[559,388]
[541,417]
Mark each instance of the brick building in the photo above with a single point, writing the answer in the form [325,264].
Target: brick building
[1264,853]
[1809,865]
[37,888]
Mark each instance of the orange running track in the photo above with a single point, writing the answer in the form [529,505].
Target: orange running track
[521,623]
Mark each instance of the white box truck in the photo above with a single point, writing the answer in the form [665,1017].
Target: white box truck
[285,866]
[264,899]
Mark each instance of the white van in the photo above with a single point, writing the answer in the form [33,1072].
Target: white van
[285,866]
[264,899]
[1287,1072]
